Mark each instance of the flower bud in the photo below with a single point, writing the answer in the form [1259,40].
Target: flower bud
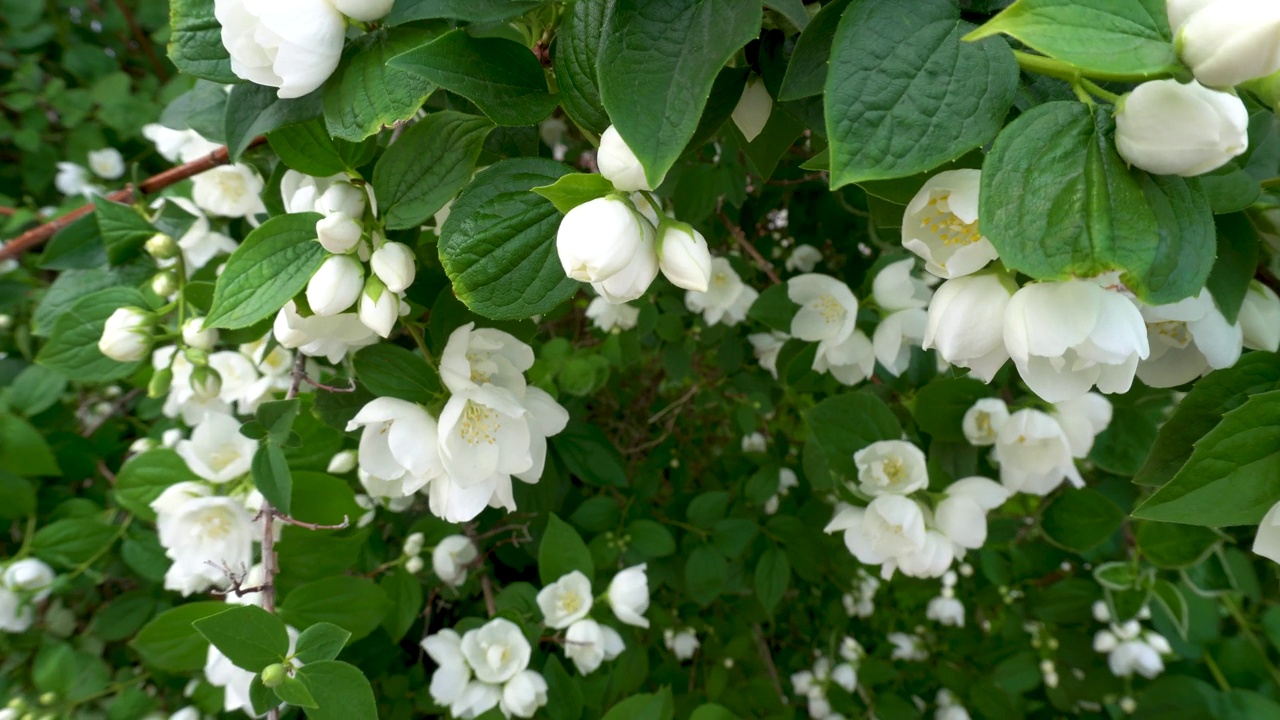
[195,335]
[684,257]
[274,675]
[126,336]
[414,565]
[160,383]
[966,322]
[364,10]
[752,111]
[413,543]
[599,238]
[342,197]
[6,321]
[1260,318]
[379,307]
[342,463]
[164,284]
[338,233]
[1227,42]
[1167,128]
[206,383]
[394,265]
[335,286]
[106,163]
[162,247]
[619,165]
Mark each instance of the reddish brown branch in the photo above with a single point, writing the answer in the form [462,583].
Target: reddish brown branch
[7,211]
[143,42]
[743,243]
[155,183]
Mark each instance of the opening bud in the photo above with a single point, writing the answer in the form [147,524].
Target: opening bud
[162,247]
[273,676]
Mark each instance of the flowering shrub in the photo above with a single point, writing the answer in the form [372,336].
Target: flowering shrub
[639,359]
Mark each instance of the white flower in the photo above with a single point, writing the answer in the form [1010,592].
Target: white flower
[524,694]
[895,336]
[966,322]
[755,442]
[851,361]
[890,526]
[1130,650]
[609,243]
[1227,42]
[229,190]
[316,336]
[126,336]
[450,558]
[397,444]
[891,467]
[1267,542]
[394,265]
[629,595]
[342,462]
[1083,419]
[1188,339]
[196,335]
[828,311]
[338,233]
[1260,318]
[721,297]
[379,308]
[565,601]
[364,10]
[894,287]
[29,578]
[178,145]
[1167,128]
[611,317]
[497,651]
[946,611]
[683,643]
[588,644]
[619,165]
[930,561]
[1034,454]
[413,543]
[981,423]
[803,258]
[474,357]
[962,515]
[293,45]
[452,673]
[106,163]
[217,451]
[765,346]
[941,225]
[16,615]
[73,179]
[683,256]
[907,647]
[336,285]
[1066,337]
[206,538]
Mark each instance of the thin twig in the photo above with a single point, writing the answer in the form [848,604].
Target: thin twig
[346,523]
[117,407]
[767,657]
[487,586]
[155,183]
[7,211]
[747,247]
[141,38]
[330,388]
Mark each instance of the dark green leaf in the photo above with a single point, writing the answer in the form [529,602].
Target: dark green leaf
[145,476]
[272,265]
[73,346]
[844,424]
[254,110]
[1080,519]
[271,475]
[561,552]
[308,148]
[940,406]
[1174,547]
[322,641]
[474,11]
[391,371]
[575,57]
[340,690]
[195,41]
[1237,261]
[807,70]
[249,636]
[36,389]
[295,692]
[73,541]
[428,166]
[355,604]
[705,573]
[773,574]
[365,94]
[170,641]
[123,230]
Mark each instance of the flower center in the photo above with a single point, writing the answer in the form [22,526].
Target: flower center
[479,424]
[829,308]
[1174,332]
[215,525]
[569,603]
[949,228]
[223,456]
[478,373]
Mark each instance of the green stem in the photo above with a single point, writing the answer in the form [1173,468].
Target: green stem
[418,340]
[1270,183]
[26,538]
[1216,672]
[103,551]
[1047,66]
[1247,631]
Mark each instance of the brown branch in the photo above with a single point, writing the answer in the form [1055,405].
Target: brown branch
[330,388]
[747,247]
[7,211]
[117,407]
[155,183]
[763,646]
[143,42]
[489,603]
[1264,276]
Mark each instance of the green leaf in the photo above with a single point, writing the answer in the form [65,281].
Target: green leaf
[428,166]
[340,690]
[261,698]
[792,10]
[705,573]
[712,711]
[844,424]
[72,348]
[1237,261]
[650,540]
[649,706]
[498,245]
[773,574]
[903,67]
[1230,189]
[295,692]
[36,389]
[73,541]
[562,551]
[322,641]
[392,371]
[502,77]
[123,230]
[271,475]
[1174,604]
[807,69]
[1202,409]
[1080,520]
[1233,474]
[249,636]
[774,308]
[589,455]
[733,536]
[940,406]
[564,696]
[657,63]
[1174,547]
[195,41]
[277,417]
[76,246]
[405,593]
[23,449]
[355,604]
[365,95]
[254,110]
[575,56]
[1058,201]
[71,285]
[273,264]
[1110,39]
[17,497]
[145,476]
[574,189]
[170,642]
[308,148]
[473,11]
[1118,575]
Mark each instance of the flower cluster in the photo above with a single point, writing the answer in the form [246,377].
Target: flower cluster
[861,601]
[485,668]
[208,537]
[566,604]
[1130,649]
[897,529]
[683,644]
[946,609]
[814,684]
[726,298]
[24,584]
[493,427]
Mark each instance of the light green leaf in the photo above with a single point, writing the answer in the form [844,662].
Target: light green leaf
[502,77]
[195,41]
[254,110]
[1080,519]
[249,636]
[900,68]
[1110,39]
[123,230]
[145,476]
[574,189]
[392,371]
[365,95]
[428,166]
[355,604]
[295,692]
[562,551]
[170,642]
[657,63]
[340,690]
[73,345]
[575,56]
[272,265]
[498,245]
